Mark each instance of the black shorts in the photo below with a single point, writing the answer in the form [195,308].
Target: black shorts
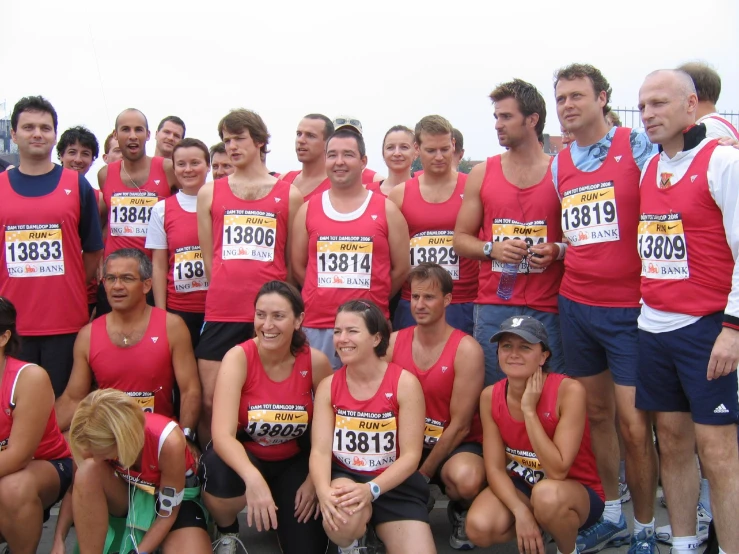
[471,447]
[55,353]
[597,504]
[405,502]
[217,338]
[194,322]
[64,468]
[190,515]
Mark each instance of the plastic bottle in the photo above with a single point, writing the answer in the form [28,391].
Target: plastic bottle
[507,281]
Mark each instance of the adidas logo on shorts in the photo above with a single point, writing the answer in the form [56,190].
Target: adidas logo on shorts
[720,409]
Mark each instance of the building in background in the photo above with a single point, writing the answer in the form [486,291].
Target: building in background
[8,149]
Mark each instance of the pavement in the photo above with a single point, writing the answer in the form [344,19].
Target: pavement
[266,542]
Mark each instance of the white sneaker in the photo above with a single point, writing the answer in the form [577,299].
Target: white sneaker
[624,493]
[664,533]
[228,543]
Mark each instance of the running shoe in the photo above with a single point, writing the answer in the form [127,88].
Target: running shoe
[228,543]
[644,543]
[458,539]
[624,493]
[664,533]
[601,534]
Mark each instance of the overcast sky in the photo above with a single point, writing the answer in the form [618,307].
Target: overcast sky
[386,62]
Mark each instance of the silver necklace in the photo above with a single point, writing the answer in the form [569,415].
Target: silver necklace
[132,182]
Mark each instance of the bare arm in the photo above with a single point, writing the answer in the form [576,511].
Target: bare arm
[296,201]
[470,218]
[171,177]
[91,261]
[185,371]
[80,381]
[397,194]
[322,432]
[299,246]
[469,374]
[205,227]
[388,357]
[399,242]
[160,262]
[34,400]
[102,176]
[172,464]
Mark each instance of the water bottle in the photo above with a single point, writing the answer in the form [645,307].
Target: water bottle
[507,281]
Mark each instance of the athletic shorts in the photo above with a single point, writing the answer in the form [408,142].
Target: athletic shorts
[672,374]
[595,338]
[217,338]
[459,316]
[190,515]
[471,447]
[64,468]
[405,502]
[597,504]
[194,322]
[323,340]
[55,353]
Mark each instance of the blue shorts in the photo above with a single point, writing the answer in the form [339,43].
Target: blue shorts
[458,316]
[323,340]
[488,318]
[595,338]
[672,374]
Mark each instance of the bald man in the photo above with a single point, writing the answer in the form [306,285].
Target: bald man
[689,321]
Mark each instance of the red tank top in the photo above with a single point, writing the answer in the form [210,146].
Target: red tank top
[431,227]
[531,214]
[600,217]
[727,123]
[366,431]
[437,383]
[375,186]
[129,209]
[687,265]
[323,186]
[249,238]
[52,445]
[156,430]
[347,260]
[41,269]
[186,282]
[523,462]
[272,413]
[368,176]
[92,286]
[143,371]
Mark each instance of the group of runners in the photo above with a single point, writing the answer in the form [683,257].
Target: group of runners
[319,347]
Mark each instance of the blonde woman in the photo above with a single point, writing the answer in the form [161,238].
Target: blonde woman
[153,483]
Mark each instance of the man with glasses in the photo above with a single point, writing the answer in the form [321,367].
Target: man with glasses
[511,199]
[136,348]
[353,124]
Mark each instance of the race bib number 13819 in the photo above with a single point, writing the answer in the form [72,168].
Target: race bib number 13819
[589,214]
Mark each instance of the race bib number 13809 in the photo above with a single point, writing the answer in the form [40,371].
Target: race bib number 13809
[589,214]
[662,247]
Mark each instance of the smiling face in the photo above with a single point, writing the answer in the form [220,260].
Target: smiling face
[398,151]
[275,322]
[518,358]
[190,168]
[344,165]
[132,135]
[77,158]
[35,134]
[167,138]
[352,340]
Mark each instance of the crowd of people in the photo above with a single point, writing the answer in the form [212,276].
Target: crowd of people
[319,347]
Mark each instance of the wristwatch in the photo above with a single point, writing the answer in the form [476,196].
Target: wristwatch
[374,490]
[190,435]
[487,249]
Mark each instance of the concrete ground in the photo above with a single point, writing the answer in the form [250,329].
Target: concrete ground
[266,543]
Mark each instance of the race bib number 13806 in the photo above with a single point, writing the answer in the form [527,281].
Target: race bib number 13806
[249,235]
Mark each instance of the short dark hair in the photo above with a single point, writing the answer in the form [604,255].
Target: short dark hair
[292,295]
[33,104]
[426,270]
[106,144]
[193,143]
[706,79]
[348,133]
[146,121]
[397,128]
[218,148]
[172,119]
[458,140]
[433,125]
[328,130]
[529,100]
[145,267]
[236,121]
[582,71]
[8,317]
[373,318]
[80,134]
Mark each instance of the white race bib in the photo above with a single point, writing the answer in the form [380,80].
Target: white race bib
[34,250]
[249,235]
[525,464]
[130,213]
[589,214]
[188,270]
[365,441]
[271,424]
[662,247]
[344,262]
[435,247]
[532,232]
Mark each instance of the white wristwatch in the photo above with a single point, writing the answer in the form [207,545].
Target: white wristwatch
[374,490]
